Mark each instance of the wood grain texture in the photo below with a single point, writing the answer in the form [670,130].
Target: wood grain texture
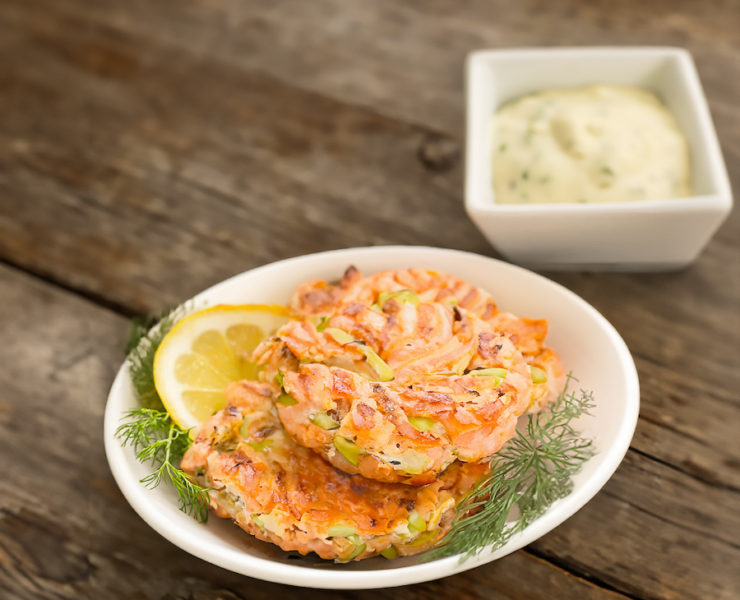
[163,176]
[404,59]
[150,149]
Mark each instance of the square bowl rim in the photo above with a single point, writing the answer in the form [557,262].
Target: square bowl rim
[560,52]
[718,201]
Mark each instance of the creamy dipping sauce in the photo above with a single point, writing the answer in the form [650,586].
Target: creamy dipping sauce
[599,143]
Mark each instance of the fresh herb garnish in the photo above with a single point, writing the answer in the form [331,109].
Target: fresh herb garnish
[138,328]
[533,470]
[157,440]
[142,345]
[149,429]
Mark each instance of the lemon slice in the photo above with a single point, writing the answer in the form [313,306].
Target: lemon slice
[205,352]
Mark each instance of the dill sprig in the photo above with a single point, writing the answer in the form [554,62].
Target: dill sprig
[144,427]
[138,328]
[144,339]
[157,440]
[532,471]
[149,429]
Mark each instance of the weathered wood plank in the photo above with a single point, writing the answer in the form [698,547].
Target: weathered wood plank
[158,174]
[648,556]
[718,466]
[646,531]
[405,59]
[678,498]
[66,531]
[201,29]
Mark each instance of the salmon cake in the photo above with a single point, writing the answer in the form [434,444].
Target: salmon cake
[286,494]
[397,375]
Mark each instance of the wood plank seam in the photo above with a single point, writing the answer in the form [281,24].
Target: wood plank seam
[664,519]
[652,360]
[575,571]
[90,296]
[141,35]
[675,430]
[696,476]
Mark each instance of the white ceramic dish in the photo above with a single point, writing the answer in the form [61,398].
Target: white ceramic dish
[655,235]
[588,344]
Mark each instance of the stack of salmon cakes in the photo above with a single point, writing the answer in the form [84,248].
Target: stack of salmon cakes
[375,412]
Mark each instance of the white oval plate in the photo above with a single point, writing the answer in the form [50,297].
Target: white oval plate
[590,347]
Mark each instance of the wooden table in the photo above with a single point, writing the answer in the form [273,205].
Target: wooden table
[150,149]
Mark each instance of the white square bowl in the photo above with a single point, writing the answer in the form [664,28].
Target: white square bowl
[648,235]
